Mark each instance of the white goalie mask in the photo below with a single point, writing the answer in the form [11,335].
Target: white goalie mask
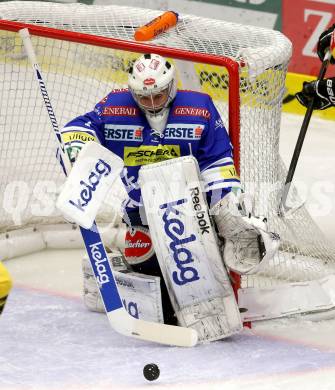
[152,82]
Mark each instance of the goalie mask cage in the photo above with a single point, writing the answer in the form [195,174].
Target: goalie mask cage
[86,51]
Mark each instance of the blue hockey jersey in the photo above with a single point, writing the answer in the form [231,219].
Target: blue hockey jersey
[194,126]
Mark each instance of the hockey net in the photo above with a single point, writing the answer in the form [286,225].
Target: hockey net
[85,52]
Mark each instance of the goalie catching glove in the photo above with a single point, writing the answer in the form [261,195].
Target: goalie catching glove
[248,244]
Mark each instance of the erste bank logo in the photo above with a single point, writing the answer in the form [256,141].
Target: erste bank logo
[183,131]
[123,133]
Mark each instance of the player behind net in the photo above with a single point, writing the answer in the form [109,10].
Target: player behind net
[181,132]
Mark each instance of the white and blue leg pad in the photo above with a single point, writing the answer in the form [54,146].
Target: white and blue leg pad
[186,247]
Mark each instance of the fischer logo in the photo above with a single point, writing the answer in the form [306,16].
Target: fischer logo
[199,211]
[149,81]
[147,154]
[191,111]
[174,229]
[99,261]
[183,131]
[120,111]
[153,153]
[90,185]
[123,133]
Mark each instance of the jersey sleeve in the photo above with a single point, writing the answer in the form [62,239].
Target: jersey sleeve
[215,157]
[84,128]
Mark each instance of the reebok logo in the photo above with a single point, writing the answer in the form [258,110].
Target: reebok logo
[200,212]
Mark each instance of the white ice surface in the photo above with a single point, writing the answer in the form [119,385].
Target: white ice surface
[48,340]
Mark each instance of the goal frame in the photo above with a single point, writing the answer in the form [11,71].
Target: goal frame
[256,70]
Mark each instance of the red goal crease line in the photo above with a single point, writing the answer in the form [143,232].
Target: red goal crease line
[231,65]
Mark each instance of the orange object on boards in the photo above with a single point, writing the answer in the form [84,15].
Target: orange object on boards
[156,26]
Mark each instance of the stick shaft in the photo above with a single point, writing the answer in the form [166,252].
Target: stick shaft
[300,140]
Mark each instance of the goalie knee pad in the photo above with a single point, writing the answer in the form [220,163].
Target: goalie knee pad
[187,249]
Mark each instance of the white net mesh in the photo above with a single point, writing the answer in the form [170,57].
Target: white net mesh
[79,75]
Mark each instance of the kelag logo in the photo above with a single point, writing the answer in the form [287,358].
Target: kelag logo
[90,185]
[96,254]
[174,229]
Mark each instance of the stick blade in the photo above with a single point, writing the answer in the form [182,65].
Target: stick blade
[178,336]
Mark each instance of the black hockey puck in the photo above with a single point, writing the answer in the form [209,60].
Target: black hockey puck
[151,371]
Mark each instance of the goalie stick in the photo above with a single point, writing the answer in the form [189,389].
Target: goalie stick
[120,320]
